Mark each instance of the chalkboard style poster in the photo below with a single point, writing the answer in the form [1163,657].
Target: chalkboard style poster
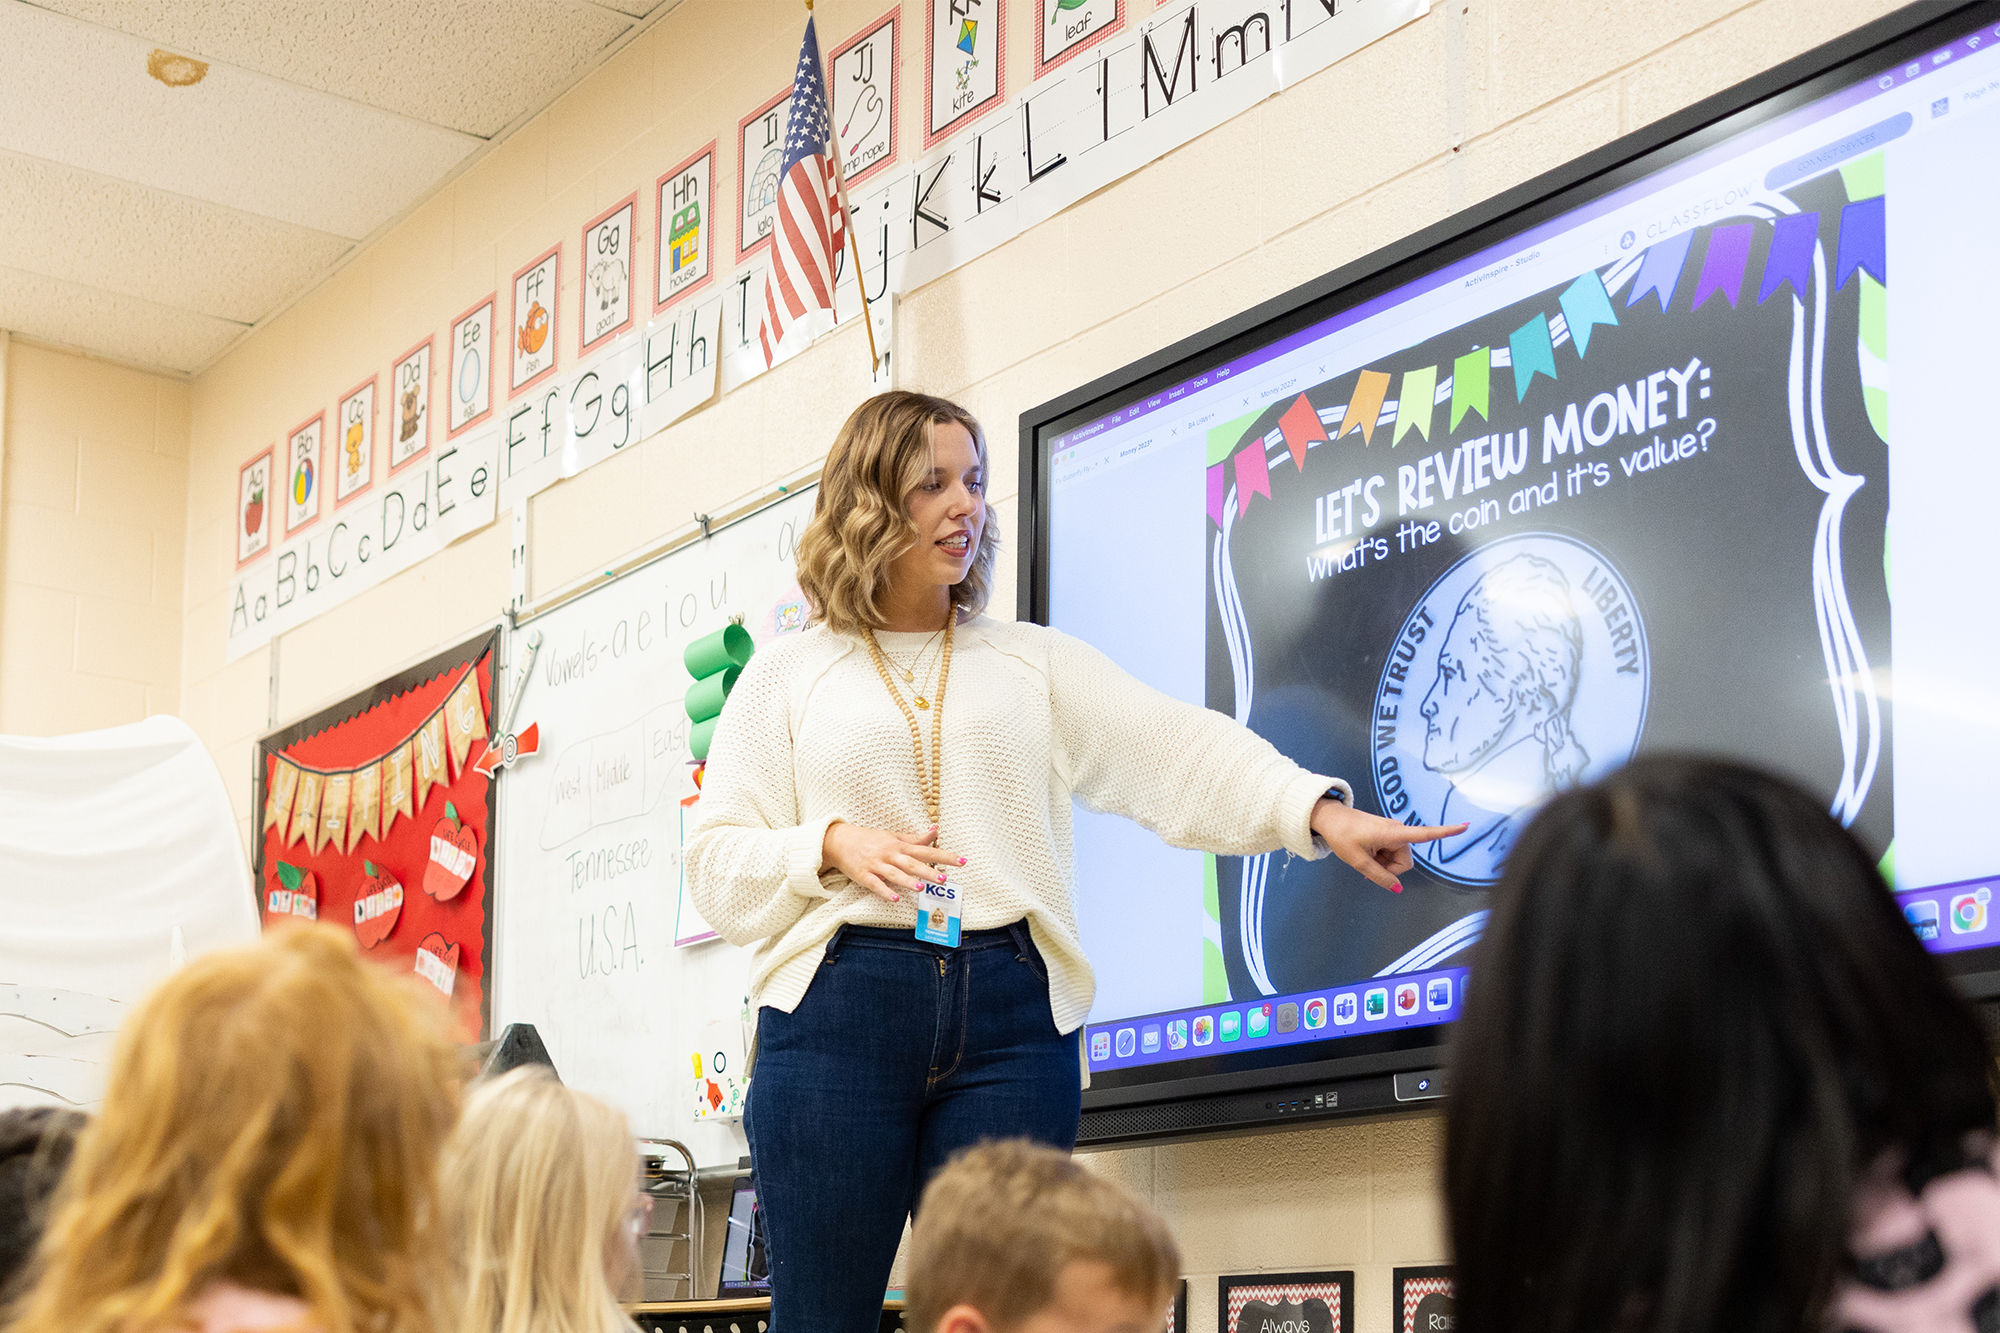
[376,816]
[1426,1301]
[1177,1308]
[1644,506]
[1284,1303]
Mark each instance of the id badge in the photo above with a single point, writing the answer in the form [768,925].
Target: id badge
[937,915]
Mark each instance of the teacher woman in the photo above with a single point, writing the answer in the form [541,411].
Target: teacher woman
[908,740]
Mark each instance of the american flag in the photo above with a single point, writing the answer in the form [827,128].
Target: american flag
[810,227]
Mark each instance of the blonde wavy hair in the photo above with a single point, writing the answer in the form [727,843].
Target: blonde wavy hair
[861,520]
[273,1117]
[539,1185]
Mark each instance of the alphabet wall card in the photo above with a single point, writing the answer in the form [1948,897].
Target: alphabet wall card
[1069,27]
[1426,1301]
[533,325]
[1301,1302]
[963,53]
[302,473]
[471,368]
[760,151]
[681,230]
[254,503]
[354,454]
[604,297]
[863,86]
[410,406]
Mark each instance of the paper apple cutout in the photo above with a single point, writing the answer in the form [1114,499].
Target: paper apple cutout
[437,962]
[296,893]
[378,907]
[454,849]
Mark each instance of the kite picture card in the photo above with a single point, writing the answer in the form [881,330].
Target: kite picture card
[964,55]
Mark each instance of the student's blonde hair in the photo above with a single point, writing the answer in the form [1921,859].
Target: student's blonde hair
[273,1117]
[861,520]
[539,1181]
[1002,1220]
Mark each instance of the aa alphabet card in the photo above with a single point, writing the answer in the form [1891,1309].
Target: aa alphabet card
[253,509]
[354,454]
[604,297]
[963,52]
[534,321]
[471,367]
[410,406]
[862,82]
[760,152]
[682,228]
[302,472]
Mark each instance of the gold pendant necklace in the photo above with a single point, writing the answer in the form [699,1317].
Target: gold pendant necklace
[931,782]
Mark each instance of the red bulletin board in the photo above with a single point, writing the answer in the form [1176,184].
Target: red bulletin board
[397,732]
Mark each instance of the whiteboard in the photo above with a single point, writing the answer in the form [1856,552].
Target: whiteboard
[589,886]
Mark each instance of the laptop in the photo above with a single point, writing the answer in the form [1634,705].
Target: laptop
[746,1271]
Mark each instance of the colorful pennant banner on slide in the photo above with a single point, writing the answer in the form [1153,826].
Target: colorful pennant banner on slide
[1234,455]
[326,806]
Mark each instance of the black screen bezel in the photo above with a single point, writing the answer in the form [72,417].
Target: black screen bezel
[1842,62]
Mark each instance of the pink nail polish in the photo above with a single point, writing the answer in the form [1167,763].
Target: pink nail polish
[961,860]
[940,879]
[1397,889]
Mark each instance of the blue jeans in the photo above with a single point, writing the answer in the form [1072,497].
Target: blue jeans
[900,1054]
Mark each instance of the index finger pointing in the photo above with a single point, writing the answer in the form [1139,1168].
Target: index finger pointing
[1431,832]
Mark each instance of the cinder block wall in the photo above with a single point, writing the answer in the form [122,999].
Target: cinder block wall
[1475,97]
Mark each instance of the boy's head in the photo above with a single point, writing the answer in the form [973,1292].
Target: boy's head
[1017,1238]
[35,1146]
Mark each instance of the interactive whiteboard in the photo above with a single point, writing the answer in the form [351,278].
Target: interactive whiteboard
[590,900]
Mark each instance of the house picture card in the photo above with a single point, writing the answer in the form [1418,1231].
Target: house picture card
[963,52]
[760,152]
[533,325]
[302,473]
[862,74]
[604,297]
[1295,1302]
[683,228]
[354,451]
[410,405]
[471,368]
[254,502]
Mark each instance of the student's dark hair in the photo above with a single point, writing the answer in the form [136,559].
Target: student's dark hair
[1696,1016]
[35,1144]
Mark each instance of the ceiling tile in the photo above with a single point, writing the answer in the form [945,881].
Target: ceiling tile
[123,328]
[167,248]
[472,65]
[80,95]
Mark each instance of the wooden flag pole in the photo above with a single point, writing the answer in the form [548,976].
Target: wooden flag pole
[840,184]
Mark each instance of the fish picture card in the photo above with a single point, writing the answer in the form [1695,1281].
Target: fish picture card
[862,83]
[354,448]
[963,55]
[760,152]
[533,322]
[302,473]
[471,368]
[253,509]
[683,228]
[1066,28]
[410,405]
[604,297]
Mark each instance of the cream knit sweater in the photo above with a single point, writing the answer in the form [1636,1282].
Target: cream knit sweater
[1032,718]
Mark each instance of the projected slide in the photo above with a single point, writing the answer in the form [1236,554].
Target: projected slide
[1622,483]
